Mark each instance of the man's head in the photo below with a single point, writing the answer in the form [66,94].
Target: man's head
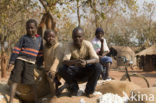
[99,33]
[31,27]
[77,36]
[50,37]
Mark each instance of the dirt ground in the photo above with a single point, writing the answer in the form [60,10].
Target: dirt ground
[117,74]
[150,76]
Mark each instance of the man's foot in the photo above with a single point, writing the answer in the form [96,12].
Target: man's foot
[74,93]
[107,78]
[88,95]
[59,90]
[57,83]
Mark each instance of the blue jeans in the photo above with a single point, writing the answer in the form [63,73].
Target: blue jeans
[104,60]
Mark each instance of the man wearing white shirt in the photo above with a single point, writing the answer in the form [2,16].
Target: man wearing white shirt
[101,48]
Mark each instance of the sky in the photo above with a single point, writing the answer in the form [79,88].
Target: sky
[139,2]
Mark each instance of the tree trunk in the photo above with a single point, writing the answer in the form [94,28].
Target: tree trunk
[47,22]
[93,6]
[3,63]
[78,13]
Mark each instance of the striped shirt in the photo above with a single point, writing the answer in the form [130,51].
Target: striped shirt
[28,49]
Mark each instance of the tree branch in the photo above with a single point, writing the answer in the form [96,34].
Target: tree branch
[44,5]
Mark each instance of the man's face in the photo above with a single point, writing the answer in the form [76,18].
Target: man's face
[50,38]
[31,29]
[99,35]
[78,38]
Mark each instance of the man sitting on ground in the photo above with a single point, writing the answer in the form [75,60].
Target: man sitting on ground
[101,48]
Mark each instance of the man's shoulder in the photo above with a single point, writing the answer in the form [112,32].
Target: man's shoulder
[24,36]
[58,46]
[105,42]
[87,43]
[68,44]
[94,39]
[104,39]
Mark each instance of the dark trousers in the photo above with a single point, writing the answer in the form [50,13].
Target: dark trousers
[23,72]
[73,75]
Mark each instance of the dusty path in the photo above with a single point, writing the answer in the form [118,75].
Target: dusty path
[117,74]
[150,76]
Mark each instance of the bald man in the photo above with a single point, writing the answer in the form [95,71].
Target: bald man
[80,64]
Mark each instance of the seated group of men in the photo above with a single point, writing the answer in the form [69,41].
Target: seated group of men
[77,61]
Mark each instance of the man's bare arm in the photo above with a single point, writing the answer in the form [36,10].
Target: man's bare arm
[54,66]
[104,53]
[101,49]
[71,62]
[91,61]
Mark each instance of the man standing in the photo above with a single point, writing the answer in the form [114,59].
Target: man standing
[80,64]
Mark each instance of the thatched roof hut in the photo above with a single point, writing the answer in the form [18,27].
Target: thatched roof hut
[122,51]
[136,49]
[147,58]
[149,51]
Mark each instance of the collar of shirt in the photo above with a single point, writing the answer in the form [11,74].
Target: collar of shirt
[37,35]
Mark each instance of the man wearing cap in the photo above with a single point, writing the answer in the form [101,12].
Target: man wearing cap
[101,48]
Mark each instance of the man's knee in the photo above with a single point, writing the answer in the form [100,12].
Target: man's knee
[98,67]
[62,71]
[109,60]
[105,60]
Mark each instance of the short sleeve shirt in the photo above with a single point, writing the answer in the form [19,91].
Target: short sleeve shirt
[52,53]
[97,45]
[85,52]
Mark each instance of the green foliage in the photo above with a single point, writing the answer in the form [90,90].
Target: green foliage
[118,18]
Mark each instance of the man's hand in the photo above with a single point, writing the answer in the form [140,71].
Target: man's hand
[51,74]
[101,40]
[71,62]
[82,62]
[101,49]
